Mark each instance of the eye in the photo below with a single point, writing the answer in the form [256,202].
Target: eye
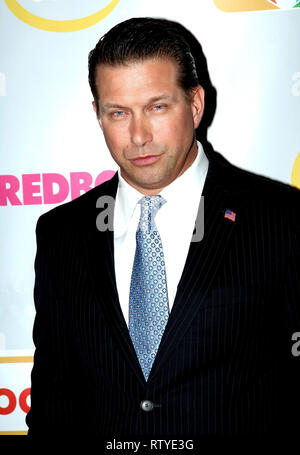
[117,114]
[159,107]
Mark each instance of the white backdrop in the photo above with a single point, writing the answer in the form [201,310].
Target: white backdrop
[52,149]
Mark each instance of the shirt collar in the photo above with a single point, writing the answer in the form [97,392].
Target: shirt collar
[127,198]
[189,182]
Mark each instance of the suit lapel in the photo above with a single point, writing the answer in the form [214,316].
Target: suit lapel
[203,261]
[100,248]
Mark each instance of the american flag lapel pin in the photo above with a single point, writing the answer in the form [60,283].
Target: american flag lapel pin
[230,215]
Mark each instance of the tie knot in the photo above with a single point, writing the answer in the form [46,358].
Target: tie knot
[149,208]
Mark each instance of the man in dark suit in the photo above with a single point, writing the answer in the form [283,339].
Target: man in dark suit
[144,328]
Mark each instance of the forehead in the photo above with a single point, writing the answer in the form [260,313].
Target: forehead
[137,80]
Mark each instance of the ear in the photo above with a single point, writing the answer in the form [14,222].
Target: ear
[197,104]
[98,116]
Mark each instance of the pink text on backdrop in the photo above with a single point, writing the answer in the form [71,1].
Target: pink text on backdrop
[49,188]
[12,401]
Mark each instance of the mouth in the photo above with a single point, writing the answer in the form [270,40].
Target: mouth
[144,160]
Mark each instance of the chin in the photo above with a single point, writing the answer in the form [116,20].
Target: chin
[148,184]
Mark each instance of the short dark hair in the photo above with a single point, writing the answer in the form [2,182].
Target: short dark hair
[138,39]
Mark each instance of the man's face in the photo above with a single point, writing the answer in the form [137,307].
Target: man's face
[148,122]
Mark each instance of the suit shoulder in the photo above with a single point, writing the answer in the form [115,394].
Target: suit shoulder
[77,209]
[258,186]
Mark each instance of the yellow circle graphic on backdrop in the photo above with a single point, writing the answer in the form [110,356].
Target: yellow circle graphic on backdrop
[50,25]
[296,172]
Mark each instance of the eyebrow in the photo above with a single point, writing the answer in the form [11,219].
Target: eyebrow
[154,99]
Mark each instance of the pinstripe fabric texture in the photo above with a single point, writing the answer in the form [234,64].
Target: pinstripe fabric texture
[224,365]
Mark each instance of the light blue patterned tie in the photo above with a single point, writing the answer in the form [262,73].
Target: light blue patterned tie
[148,299]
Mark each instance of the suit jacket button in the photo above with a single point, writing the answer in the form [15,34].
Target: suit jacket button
[147,405]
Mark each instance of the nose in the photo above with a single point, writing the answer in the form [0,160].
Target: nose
[140,131]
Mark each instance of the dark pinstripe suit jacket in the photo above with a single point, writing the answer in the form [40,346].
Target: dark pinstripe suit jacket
[224,366]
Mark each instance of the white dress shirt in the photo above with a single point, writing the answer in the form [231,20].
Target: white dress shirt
[175,222]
